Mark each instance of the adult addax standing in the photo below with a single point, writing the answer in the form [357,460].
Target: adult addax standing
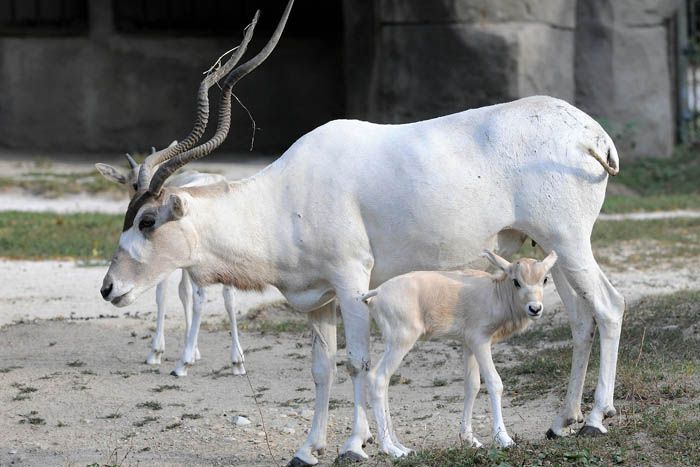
[352,204]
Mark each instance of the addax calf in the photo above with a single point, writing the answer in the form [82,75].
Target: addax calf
[473,306]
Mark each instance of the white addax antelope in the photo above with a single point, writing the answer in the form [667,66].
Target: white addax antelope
[191,296]
[352,204]
[474,306]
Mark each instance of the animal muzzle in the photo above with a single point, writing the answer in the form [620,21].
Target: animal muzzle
[534,309]
[106,288]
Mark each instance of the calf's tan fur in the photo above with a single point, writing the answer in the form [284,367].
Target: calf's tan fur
[474,306]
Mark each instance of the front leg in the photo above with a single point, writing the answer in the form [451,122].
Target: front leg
[482,352]
[158,341]
[237,357]
[324,349]
[189,354]
[471,389]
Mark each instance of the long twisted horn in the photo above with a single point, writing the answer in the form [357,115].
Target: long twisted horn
[224,123]
[175,161]
[202,116]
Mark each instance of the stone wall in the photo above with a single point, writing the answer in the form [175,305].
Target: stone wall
[444,56]
[420,59]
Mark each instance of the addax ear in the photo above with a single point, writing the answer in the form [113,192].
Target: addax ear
[496,260]
[110,173]
[178,206]
[549,261]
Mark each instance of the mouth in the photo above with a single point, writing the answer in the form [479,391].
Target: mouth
[534,315]
[123,300]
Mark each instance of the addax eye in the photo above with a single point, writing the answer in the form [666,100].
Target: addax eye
[516,283]
[545,280]
[147,223]
[136,187]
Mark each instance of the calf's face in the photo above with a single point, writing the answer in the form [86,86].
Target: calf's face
[528,278]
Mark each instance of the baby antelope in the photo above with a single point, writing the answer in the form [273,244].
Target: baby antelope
[474,306]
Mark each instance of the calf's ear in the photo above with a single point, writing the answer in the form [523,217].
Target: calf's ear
[549,260]
[496,260]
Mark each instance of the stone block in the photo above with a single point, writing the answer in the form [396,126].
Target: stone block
[560,13]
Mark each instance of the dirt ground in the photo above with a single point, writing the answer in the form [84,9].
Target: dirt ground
[76,391]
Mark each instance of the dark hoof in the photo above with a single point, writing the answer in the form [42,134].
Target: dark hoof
[369,440]
[172,373]
[551,434]
[348,457]
[588,430]
[296,462]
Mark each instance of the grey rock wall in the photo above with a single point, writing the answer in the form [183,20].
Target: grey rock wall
[430,58]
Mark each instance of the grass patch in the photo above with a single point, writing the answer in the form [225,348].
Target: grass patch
[438,383]
[151,405]
[191,416]
[166,387]
[28,235]
[615,204]
[32,419]
[53,185]
[275,327]
[678,174]
[144,421]
[172,426]
[663,239]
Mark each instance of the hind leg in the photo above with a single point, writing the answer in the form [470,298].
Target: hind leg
[594,297]
[582,329]
[398,341]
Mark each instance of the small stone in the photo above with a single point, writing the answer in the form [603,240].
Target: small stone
[307,414]
[261,433]
[288,430]
[13,452]
[239,420]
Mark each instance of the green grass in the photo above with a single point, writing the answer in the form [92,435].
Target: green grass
[676,175]
[658,184]
[27,235]
[615,204]
[657,391]
[52,185]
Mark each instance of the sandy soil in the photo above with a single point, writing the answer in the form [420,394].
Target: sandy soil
[85,372]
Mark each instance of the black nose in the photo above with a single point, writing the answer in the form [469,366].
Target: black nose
[535,309]
[106,290]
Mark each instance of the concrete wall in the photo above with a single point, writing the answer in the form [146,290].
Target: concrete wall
[111,92]
[395,61]
[432,58]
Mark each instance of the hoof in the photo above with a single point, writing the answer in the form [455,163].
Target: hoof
[296,462]
[588,430]
[348,457]
[179,375]
[551,434]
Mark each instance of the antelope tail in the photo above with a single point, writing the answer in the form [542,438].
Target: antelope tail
[366,297]
[610,164]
